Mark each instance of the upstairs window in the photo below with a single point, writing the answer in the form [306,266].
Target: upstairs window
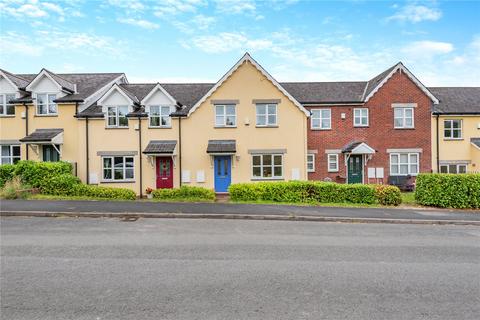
[225,115]
[117,117]
[160,116]
[403,118]
[266,114]
[360,117]
[452,129]
[45,104]
[7,108]
[321,119]
[10,154]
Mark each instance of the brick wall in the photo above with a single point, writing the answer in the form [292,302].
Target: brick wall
[380,135]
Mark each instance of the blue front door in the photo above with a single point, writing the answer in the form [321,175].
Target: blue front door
[223,175]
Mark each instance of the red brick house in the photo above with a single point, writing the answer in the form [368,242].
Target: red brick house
[364,132]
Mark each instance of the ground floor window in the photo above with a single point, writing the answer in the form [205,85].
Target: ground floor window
[310,162]
[403,164]
[118,168]
[10,154]
[267,166]
[50,153]
[453,168]
[332,162]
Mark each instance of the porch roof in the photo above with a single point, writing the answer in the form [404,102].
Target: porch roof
[358,147]
[221,146]
[41,136]
[160,147]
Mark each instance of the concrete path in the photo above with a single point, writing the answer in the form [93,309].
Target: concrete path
[228,210]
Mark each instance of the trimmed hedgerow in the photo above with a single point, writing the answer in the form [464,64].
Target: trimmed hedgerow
[314,192]
[35,173]
[460,191]
[104,192]
[7,172]
[185,192]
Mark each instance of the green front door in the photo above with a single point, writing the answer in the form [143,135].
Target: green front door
[355,168]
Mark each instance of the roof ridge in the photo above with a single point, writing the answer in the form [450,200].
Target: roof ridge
[56,74]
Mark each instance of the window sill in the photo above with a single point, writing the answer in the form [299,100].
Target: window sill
[311,171]
[361,126]
[225,127]
[46,115]
[7,116]
[267,179]
[320,129]
[117,181]
[453,139]
[333,171]
[159,127]
[109,128]
[412,128]
[270,126]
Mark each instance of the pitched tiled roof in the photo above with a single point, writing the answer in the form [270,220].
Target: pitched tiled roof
[160,146]
[61,81]
[325,92]
[187,94]
[221,146]
[373,83]
[350,146]
[19,81]
[42,135]
[457,100]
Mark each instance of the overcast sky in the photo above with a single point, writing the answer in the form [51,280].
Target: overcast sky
[198,40]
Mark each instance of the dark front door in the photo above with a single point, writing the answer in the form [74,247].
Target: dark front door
[164,173]
[50,153]
[223,175]
[355,168]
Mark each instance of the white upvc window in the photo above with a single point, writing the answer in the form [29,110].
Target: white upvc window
[10,154]
[118,168]
[7,108]
[453,168]
[321,119]
[402,164]
[332,162]
[311,162]
[266,114]
[267,166]
[117,116]
[452,129]
[403,118]
[225,115]
[45,104]
[360,117]
[159,117]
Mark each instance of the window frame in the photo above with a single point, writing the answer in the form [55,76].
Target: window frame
[451,129]
[335,161]
[267,115]
[408,163]
[321,118]
[46,104]
[116,117]
[457,166]
[112,169]
[160,116]
[312,162]
[224,115]
[355,124]
[10,157]
[5,105]
[262,166]
[403,117]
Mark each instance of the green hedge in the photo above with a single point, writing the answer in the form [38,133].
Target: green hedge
[184,192]
[7,172]
[35,173]
[314,192]
[448,190]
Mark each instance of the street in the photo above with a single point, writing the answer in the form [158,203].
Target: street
[98,268]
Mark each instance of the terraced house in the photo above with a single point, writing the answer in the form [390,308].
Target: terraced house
[246,127]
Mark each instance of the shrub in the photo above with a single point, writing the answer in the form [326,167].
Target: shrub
[35,173]
[63,184]
[388,195]
[14,188]
[103,192]
[303,192]
[184,192]
[448,190]
[7,172]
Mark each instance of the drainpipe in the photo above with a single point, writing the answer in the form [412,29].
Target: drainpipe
[180,148]
[26,129]
[438,146]
[140,153]
[87,151]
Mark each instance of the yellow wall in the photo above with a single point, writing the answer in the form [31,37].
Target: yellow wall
[457,150]
[245,84]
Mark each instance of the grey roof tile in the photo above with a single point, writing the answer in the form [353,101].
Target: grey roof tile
[160,146]
[42,135]
[325,92]
[457,100]
[221,146]
[373,83]
[19,81]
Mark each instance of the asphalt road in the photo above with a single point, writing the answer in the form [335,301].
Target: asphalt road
[68,268]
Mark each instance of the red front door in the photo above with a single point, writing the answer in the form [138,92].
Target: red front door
[164,173]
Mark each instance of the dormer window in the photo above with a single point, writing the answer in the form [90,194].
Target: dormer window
[7,108]
[45,104]
[160,117]
[117,117]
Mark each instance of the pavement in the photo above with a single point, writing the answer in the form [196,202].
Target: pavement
[144,209]
[102,269]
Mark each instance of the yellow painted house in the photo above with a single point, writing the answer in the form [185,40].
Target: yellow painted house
[456,130]
[244,128]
